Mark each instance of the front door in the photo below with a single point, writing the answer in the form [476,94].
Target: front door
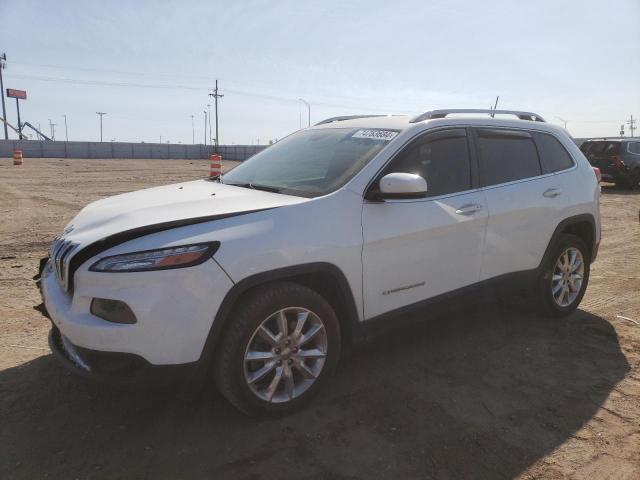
[420,248]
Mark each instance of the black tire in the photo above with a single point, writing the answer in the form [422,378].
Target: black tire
[626,184]
[252,309]
[546,302]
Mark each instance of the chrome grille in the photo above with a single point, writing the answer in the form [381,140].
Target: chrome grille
[60,254]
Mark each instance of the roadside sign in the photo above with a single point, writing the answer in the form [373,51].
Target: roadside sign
[13,93]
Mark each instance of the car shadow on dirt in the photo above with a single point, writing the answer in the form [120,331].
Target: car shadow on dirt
[480,393]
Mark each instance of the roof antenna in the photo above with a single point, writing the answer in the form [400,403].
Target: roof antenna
[494,107]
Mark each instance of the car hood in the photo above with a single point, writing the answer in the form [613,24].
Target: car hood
[196,201]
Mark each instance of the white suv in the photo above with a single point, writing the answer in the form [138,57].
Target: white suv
[259,278]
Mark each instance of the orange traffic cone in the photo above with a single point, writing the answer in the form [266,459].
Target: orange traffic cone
[17,157]
[216,166]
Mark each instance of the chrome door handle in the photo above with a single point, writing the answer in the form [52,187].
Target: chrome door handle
[469,209]
[552,193]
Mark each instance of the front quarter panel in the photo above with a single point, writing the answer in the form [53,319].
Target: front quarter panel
[326,229]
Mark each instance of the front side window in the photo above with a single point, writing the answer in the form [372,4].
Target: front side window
[442,159]
[553,155]
[312,162]
[506,156]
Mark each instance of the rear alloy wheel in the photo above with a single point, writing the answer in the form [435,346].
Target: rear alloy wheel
[282,343]
[568,274]
[564,277]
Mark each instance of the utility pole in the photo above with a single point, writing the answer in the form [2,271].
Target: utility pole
[101,115]
[66,131]
[308,110]
[19,122]
[193,131]
[3,63]
[209,117]
[216,96]
[631,122]
[205,127]
[52,126]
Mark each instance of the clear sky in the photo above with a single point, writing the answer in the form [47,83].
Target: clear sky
[151,64]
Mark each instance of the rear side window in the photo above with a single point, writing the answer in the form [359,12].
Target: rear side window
[604,149]
[506,156]
[553,155]
[634,147]
[585,147]
[442,159]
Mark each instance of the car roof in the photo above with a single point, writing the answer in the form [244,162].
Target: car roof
[393,122]
[404,122]
[612,140]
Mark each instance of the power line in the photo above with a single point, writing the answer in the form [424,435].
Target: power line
[241,92]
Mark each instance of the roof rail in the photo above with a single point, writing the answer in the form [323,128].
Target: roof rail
[345,117]
[443,113]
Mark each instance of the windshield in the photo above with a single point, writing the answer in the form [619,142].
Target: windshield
[311,163]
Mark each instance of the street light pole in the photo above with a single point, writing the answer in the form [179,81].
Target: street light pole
[308,110]
[193,132]
[563,121]
[209,117]
[205,127]
[66,131]
[52,126]
[3,60]
[101,115]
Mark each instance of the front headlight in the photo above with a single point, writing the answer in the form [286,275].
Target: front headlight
[161,259]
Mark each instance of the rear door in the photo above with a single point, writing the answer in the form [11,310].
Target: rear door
[417,249]
[525,203]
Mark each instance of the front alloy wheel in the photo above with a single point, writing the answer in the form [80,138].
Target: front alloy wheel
[281,343]
[285,355]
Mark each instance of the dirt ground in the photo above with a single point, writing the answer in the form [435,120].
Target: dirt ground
[486,392]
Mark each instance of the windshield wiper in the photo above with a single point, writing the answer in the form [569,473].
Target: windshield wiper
[257,186]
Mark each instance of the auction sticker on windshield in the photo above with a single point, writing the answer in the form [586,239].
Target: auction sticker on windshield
[382,135]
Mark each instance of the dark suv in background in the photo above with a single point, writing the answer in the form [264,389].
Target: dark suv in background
[618,160]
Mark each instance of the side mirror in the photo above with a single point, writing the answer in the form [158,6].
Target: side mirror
[402,185]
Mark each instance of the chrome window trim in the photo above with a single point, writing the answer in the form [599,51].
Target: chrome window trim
[529,179]
[425,199]
[427,131]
